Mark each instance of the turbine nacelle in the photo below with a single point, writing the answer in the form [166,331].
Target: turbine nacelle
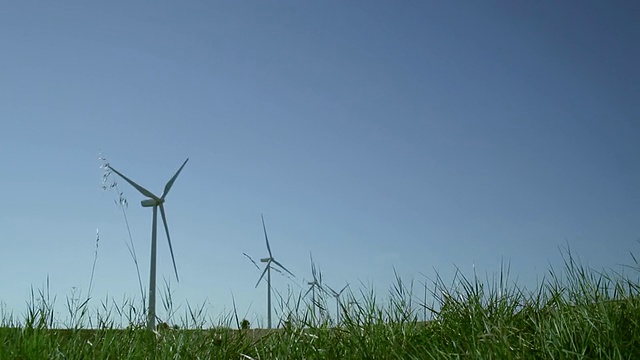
[265,260]
[151,202]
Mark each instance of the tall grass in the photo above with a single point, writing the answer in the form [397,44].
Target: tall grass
[576,312]
[108,183]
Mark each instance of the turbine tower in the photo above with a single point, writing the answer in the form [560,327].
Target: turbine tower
[155,202]
[270,261]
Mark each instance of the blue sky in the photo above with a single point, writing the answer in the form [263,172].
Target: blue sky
[414,135]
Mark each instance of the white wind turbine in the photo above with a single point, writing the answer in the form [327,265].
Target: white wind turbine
[155,202]
[336,294]
[316,283]
[267,270]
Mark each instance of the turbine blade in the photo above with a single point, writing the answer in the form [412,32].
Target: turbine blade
[166,229]
[308,291]
[346,286]
[265,236]
[254,263]
[264,272]
[142,190]
[313,268]
[283,268]
[173,179]
[332,291]
[314,272]
[321,288]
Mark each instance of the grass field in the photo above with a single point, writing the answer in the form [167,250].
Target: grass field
[575,314]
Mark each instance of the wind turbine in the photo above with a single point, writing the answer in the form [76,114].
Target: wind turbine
[316,283]
[267,270]
[155,202]
[336,294]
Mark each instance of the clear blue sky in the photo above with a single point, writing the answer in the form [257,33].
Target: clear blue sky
[415,135]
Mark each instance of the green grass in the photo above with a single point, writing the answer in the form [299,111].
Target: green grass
[575,314]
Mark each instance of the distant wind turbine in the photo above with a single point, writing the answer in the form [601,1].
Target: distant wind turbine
[155,202]
[270,262]
[316,283]
[336,294]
